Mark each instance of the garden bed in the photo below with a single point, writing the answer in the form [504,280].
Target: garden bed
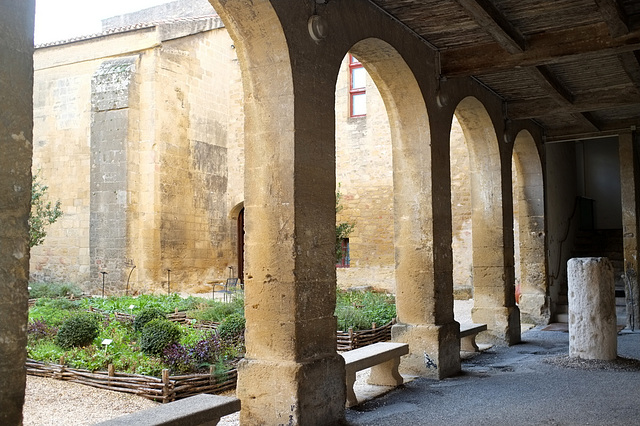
[203,357]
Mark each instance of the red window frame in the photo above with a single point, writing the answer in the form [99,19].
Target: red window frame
[353,92]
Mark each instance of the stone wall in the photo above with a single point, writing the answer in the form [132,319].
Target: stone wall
[365,174]
[145,153]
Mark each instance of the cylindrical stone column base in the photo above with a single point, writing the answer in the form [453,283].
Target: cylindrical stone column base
[592,309]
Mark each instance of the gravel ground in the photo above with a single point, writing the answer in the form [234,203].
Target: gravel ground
[51,402]
[56,402]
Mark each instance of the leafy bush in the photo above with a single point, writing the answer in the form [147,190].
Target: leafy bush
[232,327]
[42,212]
[38,329]
[145,316]
[39,290]
[358,310]
[79,330]
[157,335]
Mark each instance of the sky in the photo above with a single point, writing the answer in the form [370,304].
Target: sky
[63,19]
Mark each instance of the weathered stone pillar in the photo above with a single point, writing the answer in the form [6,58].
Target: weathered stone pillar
[16,124]
[424,265]
[291,373]
[629,180]
[529,193]
[492,223]
[592,309]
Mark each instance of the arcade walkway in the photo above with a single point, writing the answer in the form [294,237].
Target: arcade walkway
[532,383]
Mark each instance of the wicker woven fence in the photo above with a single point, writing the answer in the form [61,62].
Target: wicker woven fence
[164,389]
[348,340]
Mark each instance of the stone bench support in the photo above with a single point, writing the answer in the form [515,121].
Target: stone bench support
[468,334]
[202,409]
[382,357]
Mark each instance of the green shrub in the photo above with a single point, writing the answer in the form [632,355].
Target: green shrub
[145,316]
[358,310]
[231,327]
[157,335]
[79,330]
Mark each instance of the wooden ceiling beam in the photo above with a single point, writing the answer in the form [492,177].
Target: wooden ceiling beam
[631,63]
[574,44]
[588,102]
[545,78]
[493,21]
[614,16]
[610,128]
[588,118]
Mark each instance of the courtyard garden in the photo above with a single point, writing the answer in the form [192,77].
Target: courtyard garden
[158,335]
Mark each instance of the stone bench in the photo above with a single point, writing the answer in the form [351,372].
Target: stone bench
[201,409]
[382,357]
[468,334]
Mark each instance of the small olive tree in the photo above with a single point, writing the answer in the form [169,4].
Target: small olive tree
[43,213]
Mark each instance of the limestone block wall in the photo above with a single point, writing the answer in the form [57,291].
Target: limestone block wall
[61,157]
[195,233]
[137,148]
[365,174]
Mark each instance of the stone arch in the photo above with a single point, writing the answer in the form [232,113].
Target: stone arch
[529,229]
[409,125]
[237,214]
[424,313]
[235,211]
[492,262]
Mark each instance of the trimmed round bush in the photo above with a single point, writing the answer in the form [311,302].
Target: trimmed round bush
[78,330]
[231,327]
[145,316]
[157,335]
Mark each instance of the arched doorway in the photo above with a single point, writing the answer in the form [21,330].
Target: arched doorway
[241,245]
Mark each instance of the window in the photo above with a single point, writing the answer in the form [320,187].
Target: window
[344,260]
[357,88]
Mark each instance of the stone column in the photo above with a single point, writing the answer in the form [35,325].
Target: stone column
[529,192]
[592,309]
[629,178]
[424,265]
[16,124]
[291,373]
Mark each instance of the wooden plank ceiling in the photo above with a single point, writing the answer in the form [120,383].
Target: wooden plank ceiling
[573,66]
